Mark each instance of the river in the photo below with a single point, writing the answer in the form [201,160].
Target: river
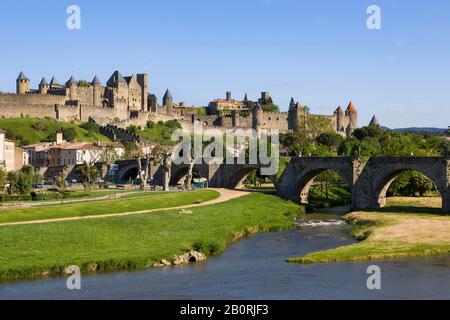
[255,268]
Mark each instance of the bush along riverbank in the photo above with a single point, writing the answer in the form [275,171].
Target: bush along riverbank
[138,241]
[389,235]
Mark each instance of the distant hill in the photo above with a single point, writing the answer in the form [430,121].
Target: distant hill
[25,131]
[421,130]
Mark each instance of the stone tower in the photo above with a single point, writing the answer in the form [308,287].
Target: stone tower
[339,114]
[352,114]
[257,118]
[44,86]
[228,96]
[22,84]
[235,118]
[168,102]
[349,131]
[72,86]
[54,84]
[143,82]
[96,92]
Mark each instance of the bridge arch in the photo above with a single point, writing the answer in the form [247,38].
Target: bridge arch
[298,177]
[306,181]
[385,179]
[127,173]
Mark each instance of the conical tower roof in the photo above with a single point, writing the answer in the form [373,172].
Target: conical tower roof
[22,77]
[71,80]
[96,80]
[374,122]
[167,95]
[43,82]
[339,110]
[351,107]
[54,82]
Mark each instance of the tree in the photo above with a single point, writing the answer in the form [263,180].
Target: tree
[3,179]
[12,179]
[61,181]
[420,184]
[109,155]
[83,83]
[70,134]
[91,126]
[88,174]
[24,183]
[444,148]
[270,108]
[330,139]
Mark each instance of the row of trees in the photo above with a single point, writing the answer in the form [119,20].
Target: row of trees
[367,141]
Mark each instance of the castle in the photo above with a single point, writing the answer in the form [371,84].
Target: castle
[126,101]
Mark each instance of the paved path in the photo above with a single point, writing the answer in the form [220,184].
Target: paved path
[225,195]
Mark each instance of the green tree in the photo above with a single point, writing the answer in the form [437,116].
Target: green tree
[419,184]
[3,179]
[91,126]
[88,175]
[61,181]
[70,134]
[330,139]
[270,108]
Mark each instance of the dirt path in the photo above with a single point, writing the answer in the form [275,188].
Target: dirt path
[225,195]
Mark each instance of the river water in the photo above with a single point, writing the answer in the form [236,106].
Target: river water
[255,268]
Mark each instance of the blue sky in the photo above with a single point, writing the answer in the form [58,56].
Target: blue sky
[320,52]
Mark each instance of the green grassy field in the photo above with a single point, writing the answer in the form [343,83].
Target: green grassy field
[391,234]
[128,204]
[31,130]
[137,241]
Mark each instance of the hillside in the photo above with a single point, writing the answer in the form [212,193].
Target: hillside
[25,131]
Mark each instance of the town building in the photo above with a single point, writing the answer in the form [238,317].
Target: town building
[11,157]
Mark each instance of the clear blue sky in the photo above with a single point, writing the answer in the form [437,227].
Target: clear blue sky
[319,52]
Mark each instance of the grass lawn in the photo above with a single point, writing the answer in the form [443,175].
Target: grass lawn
[390,234]
[31,130]
[137,241]
[128,204]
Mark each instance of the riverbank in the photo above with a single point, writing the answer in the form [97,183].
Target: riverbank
[137,241]
[128,204]
[390,234]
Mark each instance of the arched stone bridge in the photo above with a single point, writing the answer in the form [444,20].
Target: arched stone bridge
[368,179]
[218,175]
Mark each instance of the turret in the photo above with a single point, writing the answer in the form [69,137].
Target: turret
[72,86]
[22,84]
[228,96]
[349,131]
[235,118]
[257,118]
[292,104]
[374,122]
[168,102]
[294,115]
[339,114]
[143,83]
[96,92]
[54,84]
[352,114]
[44,86]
